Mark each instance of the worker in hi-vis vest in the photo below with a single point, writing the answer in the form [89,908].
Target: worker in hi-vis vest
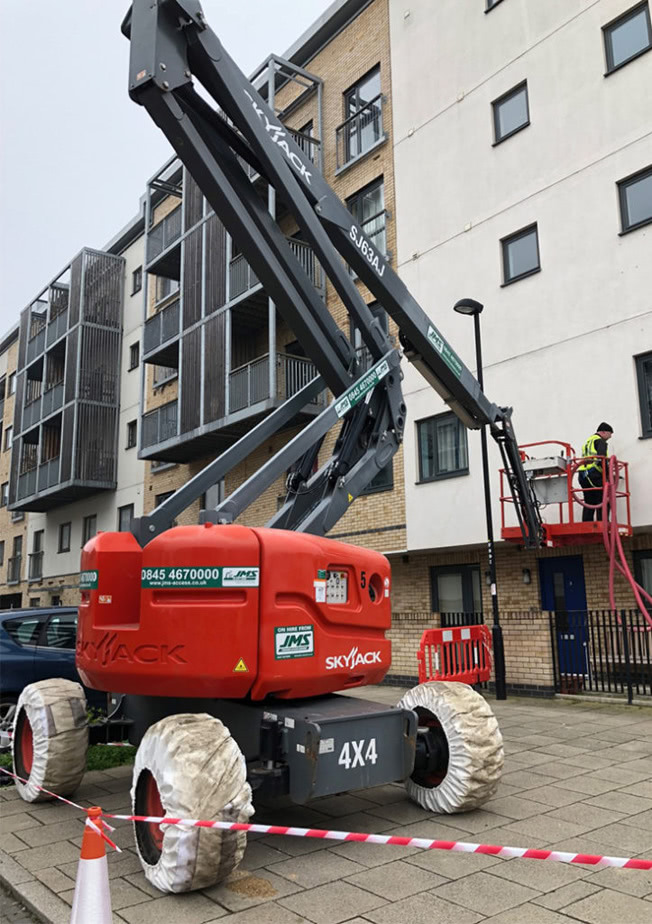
[590,472]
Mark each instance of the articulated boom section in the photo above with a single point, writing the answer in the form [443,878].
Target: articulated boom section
[232,612]
[170,44]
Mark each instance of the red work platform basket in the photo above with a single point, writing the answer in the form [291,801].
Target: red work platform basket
[555,484]
[461,653]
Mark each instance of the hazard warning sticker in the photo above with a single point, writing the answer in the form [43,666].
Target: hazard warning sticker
[241,668]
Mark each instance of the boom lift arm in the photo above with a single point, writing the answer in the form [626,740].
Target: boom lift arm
[170,43]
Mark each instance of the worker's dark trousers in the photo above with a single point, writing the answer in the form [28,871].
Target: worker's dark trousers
[589,481]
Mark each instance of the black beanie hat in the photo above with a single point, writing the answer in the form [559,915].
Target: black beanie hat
[604,426]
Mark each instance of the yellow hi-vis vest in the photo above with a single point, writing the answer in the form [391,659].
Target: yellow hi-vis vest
[588,449]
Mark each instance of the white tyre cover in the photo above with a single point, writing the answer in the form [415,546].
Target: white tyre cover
[56,710]
[201,773]
[474,742]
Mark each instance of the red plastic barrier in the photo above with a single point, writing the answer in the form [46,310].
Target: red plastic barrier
[461,653]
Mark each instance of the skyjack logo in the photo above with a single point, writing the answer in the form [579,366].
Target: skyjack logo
[109,651]
[278,135]
[352,660]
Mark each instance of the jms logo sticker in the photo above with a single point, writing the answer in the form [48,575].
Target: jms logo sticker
[240,577]
[294,642]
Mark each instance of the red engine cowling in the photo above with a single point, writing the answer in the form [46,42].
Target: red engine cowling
[230,611]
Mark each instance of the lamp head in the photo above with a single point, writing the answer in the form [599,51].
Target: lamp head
[468,306]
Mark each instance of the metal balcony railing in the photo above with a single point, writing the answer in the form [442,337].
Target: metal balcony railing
[14,567]
[57,327]
[36,345]
[162,235]
[48,474]
[241,276]
[26,484]
[159,425]
[160,328]
[98,385]
[310,146]
[360,132]
[249,384]
[31,414]
[35,566]
[52,399]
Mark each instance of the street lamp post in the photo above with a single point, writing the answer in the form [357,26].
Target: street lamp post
[469,306]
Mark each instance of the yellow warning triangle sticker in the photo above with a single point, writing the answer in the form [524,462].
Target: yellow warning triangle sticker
[350,497]
[241,668]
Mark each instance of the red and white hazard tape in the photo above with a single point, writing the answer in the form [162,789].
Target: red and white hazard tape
[505,853]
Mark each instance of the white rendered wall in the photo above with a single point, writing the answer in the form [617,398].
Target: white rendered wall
[559,345]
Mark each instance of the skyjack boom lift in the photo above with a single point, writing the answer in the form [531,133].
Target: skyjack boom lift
[220,633]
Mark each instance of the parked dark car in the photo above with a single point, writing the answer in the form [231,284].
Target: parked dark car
[36,644]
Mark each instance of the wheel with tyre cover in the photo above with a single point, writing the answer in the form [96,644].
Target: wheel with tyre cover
[50,738]
[189,766]
[459,747]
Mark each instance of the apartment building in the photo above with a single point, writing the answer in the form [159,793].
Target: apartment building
[71,413]
[12,524]
[523,173]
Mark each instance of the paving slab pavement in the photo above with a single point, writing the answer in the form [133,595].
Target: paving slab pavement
[578,776]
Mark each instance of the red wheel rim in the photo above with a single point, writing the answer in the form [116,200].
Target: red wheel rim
[24,745]
[153,806]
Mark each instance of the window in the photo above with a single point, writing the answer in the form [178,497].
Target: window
[125,516]
[61,631]
[8,434]
[511,112]
[35,602]
[368,208]
[636,200]
[3,388]
[165,287]
[12,384]
[2,551]
[644,376]
[164,374]
[362,128]
[134,356]
[132,434]
[161,498]
[520,254]
[35,572]
[442,447]
[4,495]
[25,632]
[643,568]
[384,481]
[456,592]
[137,280]
[89,528]
[64,537]
[627,37]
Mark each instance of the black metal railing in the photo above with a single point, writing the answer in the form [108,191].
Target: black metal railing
[14,566]
[159,425]
[360,132]
[35,566]
[161,327]
[461,619]
[162,235]
[602,651]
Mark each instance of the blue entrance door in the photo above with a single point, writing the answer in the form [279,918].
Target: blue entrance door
[564,593]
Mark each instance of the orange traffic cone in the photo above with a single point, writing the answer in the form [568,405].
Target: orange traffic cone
[92,901]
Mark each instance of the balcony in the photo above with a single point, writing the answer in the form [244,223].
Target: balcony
[98,385]
[48,474]
[360,133]
[35,566]
[31,414]
[36,344]
[160,239]
[242,278]
[14,567]
[249,384]
[27,483]
[160,332]
[159,425]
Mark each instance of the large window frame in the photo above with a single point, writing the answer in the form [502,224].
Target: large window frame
[505,244]
[125,517]
[609,29]
[436,475]
[362,130]
[623,186]
[502,101]
[89,528]
[469,574]
[354,204]
[642,361]
[65,536]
